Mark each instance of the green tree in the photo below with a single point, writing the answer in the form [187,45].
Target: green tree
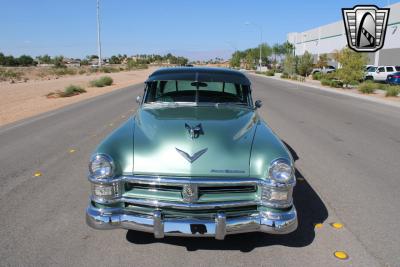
[58,62]
[305,64]
[25,60]
[288,48]
[266,52]
[352,66]
[289,64]
[322,61]
[84,62]
[10,61]
[45,59]
[236,59]
[1,59]
[115,60]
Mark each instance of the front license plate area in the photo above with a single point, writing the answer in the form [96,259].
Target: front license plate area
[198,228]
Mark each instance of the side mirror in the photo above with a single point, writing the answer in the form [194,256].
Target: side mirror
[377,71]
[138,99]
[258,104]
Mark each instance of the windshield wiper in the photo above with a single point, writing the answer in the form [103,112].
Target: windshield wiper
[230,103]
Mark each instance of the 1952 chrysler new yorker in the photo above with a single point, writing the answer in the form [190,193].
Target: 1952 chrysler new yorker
[195,160]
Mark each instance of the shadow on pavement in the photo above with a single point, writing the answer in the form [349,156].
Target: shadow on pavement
[310,208]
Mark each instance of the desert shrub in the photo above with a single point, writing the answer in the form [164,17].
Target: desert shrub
[102,81]
[132,64]
[305,64]
[382,86]
[285,75]
[354,83]
[317,76]
[352,66]
[393,90]
[8,74]
[270,73]
[329,76]
[64,71]
[367,87]
[71,91]
[109,69]
[326,82]
[82,71]
[336,84]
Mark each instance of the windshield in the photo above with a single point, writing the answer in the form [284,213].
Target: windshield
[197,92]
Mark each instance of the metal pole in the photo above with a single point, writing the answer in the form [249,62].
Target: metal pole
[98,34]
[260,47]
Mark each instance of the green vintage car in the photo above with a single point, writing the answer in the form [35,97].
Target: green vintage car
[195,160]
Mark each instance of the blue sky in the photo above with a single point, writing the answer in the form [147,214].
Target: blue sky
[196,29]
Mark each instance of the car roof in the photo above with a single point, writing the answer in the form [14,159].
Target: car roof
[201,74]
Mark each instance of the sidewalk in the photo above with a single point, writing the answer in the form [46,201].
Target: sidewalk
[377,97]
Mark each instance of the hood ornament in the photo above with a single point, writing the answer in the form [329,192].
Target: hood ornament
[194,131]
[192,158]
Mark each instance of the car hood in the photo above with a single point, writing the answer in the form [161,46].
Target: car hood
[163,146]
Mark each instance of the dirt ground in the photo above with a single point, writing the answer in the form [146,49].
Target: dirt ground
[23,100]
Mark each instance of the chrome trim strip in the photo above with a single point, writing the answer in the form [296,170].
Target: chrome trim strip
[176,205]
[167,180]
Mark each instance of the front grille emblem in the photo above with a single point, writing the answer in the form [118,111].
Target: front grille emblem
[194,156]
[190,193]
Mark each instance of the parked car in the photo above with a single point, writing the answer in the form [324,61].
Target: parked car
[327,69]
[393,78]
[380,73]
[195,160]
[368,68]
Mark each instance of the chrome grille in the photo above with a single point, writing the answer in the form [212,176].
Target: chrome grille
[227,189]
[202,189]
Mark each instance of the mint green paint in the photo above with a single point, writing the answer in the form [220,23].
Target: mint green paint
[228,135]
[235,137]
[119,145]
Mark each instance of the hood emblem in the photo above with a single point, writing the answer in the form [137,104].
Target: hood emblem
[194,131]
[194,156]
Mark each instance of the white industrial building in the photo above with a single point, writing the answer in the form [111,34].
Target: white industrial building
[332,37]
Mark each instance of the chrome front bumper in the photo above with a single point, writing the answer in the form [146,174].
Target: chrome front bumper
[267,222]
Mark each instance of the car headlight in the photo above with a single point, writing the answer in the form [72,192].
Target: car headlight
[281,171]
[101,166]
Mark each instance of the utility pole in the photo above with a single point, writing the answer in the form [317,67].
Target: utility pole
[98,34]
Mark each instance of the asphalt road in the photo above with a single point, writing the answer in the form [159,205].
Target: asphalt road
[347,154]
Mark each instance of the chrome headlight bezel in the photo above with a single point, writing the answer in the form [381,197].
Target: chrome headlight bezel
[109,170]
[281,171]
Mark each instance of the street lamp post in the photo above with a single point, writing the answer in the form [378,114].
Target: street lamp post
[261,37]
[98,34]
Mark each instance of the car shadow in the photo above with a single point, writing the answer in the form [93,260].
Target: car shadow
[310,211]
